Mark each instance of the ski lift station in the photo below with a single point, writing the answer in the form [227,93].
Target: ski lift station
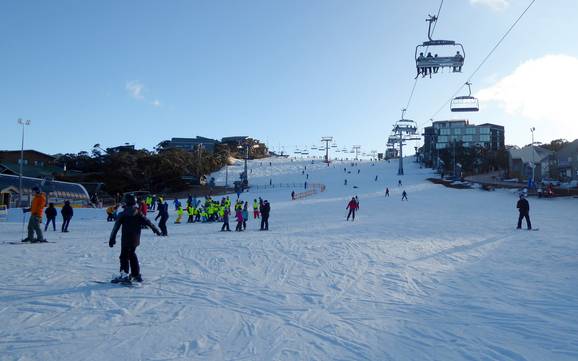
[56,192]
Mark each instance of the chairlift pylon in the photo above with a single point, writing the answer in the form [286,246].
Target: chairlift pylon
[465,103]
[430,64]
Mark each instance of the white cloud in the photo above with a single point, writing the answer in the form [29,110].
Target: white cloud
[493,4]
[135,89]
[542,92]
[156,103]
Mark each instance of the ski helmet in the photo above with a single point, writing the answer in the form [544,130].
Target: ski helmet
[129,200]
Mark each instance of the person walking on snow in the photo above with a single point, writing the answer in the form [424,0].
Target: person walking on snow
[239,218]
[36,208]
[50,217]
[67,213]
[352,206]
[524,209]
[387,192]
[131,221]
[404,195]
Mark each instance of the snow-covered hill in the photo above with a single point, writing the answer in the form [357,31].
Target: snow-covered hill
[443,276]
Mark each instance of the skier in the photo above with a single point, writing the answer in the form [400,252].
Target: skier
[404,195]
[524,209]
[375,180]
[399,183]
[67,213]
[50,217]
[345,182]
[245,215]
[111,213]
[225,226]
[386,192]
[239,218]
[265,210]
[293,195]
[131,221]
[163,214]
[352,206]
[255,209]
[179,214]
[36,208]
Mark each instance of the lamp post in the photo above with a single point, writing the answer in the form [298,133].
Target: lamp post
[23,123]
[533,160]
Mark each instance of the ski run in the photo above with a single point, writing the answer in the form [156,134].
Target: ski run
[442,276]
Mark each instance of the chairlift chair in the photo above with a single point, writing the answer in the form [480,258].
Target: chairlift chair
[465,103]
[431,64]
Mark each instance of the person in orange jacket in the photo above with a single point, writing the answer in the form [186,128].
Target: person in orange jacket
[36,211]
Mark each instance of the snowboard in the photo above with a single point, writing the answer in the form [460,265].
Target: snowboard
[27,242]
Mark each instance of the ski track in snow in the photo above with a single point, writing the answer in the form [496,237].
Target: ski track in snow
[443,276]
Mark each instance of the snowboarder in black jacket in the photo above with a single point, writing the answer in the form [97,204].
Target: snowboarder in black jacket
[265,210]
[524,209]
[131,220]
[67,213]
[50,216]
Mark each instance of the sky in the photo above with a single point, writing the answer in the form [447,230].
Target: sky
[284,72]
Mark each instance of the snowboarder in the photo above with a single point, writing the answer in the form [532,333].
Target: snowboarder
[36,208]
[399,183]
[131,221]
[163,214]
[67,213]
[524,209]
[50,213]
[404,195]
[265,210]
[352,206]
[386,192]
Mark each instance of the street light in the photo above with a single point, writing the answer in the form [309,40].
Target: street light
[23,123]
[533,160]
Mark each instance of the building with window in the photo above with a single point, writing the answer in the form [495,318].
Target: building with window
[443,134]
[34,163]
[56,192]
[567,159]
[522,161]
[191,144]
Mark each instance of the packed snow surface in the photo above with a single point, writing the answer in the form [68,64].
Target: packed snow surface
[443,276]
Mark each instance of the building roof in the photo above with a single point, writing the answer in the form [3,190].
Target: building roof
[234,139]
[29,170]
[530,154]
[75,190]
[25,151]
[569,149]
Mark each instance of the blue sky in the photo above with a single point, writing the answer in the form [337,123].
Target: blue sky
[286,72]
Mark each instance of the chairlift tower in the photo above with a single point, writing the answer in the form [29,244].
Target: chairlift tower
[356,150]
[404,130]
[326,140]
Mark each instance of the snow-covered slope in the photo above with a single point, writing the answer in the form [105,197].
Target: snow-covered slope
[443,276]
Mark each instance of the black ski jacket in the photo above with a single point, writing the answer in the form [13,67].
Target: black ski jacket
[523,206]
[131,220]
[50,212]
[67,211]
[265,209]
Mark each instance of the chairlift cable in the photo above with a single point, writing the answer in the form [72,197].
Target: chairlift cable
[486,58]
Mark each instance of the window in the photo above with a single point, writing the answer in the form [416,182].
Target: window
[441,145]
[484,138]
[467,138]
[457,131]
[445,131]
[470,130]
[484,130]
[442,139]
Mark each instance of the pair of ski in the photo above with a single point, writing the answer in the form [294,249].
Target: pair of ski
[31,242]
[126,282]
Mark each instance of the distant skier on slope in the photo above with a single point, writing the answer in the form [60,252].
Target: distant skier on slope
[387,192]
[131,221]
[524,209]
[36,210]
[404,195]
[353,205]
